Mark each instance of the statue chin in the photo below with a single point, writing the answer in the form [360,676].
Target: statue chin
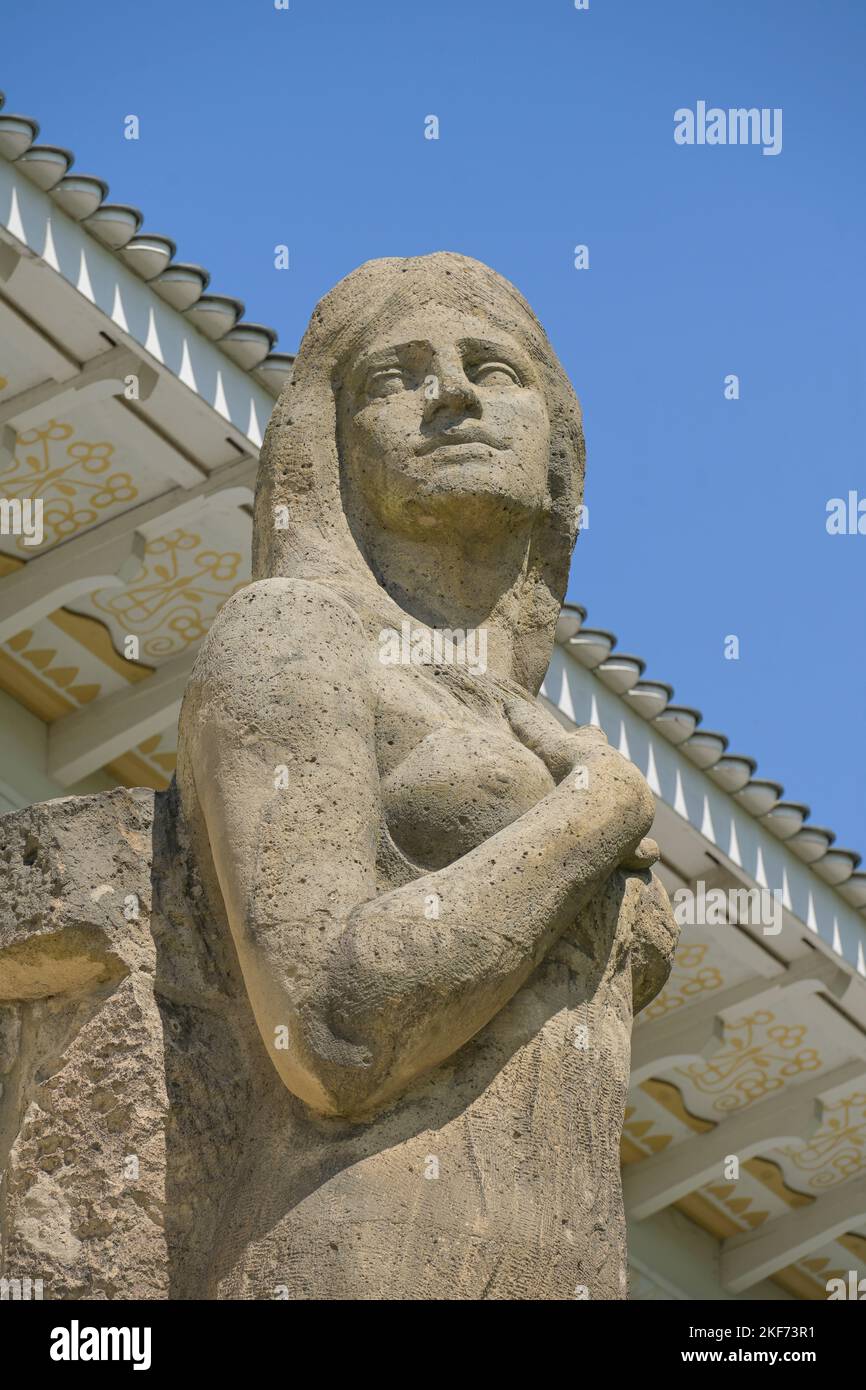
[467,502]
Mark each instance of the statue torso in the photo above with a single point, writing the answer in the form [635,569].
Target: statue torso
[492,1174]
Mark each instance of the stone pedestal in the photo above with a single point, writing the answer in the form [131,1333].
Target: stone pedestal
[105,978]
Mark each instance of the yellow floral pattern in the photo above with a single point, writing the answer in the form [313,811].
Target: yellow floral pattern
[689,978]
[838,1150]
[757,1057]
[171,602]
[78,484]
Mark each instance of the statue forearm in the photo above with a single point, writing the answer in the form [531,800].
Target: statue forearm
[397,991]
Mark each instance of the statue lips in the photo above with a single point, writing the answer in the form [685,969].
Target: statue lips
[454,439]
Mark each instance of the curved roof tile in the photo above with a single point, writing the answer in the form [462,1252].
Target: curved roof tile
[79,195]
[17,134]
[46,165]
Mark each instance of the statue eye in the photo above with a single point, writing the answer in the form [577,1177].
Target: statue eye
[385,381]
[495,374]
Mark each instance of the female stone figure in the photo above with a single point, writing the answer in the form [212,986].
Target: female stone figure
[440,901]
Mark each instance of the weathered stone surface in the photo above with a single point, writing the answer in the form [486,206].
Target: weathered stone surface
[84,1084]
[368,1034]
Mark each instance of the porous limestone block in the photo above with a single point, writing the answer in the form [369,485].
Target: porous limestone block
[84,1104]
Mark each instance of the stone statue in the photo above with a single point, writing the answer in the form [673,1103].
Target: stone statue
[345,1013]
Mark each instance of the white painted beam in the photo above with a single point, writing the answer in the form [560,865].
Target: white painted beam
[792,1115]
[80,743]
[755,1255]
[57,578]
[144,437]
[10,259]
[696,1030]
[107,556]
[35,342]
[99,378]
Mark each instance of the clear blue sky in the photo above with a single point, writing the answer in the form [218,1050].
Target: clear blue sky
[707,516]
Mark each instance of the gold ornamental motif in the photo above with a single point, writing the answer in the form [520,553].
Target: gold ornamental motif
[837,1151]
[689,978]
[757,1057]
[76,483]
[172,601]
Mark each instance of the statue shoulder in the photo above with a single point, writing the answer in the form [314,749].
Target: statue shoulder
[273,642]
[276,608]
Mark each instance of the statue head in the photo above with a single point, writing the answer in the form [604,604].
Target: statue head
[426,406]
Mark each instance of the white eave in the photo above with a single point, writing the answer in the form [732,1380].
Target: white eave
[756,1046]
[709,798]
[65,222]
[88,300]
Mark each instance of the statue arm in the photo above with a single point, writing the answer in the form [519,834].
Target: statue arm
[654,941]
[356,993]
[649,918]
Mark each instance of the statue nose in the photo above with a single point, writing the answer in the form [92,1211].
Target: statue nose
[451,389]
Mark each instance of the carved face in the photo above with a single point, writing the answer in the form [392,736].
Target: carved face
[443,422]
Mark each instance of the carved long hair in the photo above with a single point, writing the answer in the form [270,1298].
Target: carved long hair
[300,463]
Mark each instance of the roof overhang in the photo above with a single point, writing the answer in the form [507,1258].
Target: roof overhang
[756,1048]
[140,437]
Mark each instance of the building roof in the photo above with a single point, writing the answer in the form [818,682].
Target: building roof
[117,226]
[789,821]
[756,1045]
[133,413]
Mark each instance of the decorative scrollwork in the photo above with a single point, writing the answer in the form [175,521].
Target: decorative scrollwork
[77,485]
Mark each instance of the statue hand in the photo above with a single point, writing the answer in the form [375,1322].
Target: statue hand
[561,751]
[646,854]
[583,758]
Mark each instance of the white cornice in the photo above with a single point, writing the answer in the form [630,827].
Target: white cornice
[33,226]
[699,825]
